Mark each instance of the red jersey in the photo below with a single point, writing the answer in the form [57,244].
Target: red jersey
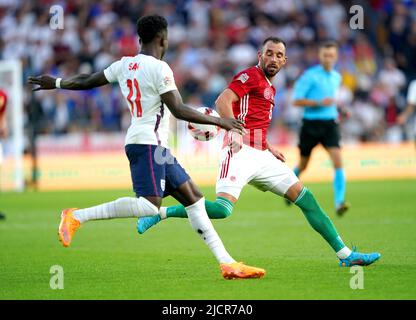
[255,106]
[3,102]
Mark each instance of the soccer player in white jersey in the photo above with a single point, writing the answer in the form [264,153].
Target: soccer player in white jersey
[149,87]
[250,159]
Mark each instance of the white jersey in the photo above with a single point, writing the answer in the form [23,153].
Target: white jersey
[142,80]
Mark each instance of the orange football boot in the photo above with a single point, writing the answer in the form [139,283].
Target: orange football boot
[68,226]
[238,270]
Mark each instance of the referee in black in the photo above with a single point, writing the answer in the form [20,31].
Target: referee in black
[315,92]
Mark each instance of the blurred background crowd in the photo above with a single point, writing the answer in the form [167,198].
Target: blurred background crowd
[210,41]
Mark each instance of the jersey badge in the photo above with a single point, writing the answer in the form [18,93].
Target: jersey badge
[167,81]
[243,77]
[268,94]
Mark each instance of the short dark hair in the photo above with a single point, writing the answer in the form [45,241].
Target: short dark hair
[274,40]
[148,27]
[328,44]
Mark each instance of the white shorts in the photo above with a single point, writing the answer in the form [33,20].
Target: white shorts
[256,167]
[1,154]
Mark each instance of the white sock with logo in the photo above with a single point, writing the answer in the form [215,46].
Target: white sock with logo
[121,208]
[198,217]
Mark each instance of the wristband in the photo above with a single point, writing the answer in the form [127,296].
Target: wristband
[58,83]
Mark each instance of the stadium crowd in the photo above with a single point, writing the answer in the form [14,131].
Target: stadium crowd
[209,41]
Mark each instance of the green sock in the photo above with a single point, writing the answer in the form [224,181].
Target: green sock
[318,219]
[219,209]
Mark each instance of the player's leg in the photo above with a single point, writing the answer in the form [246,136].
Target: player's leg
[331,142]
[316,216]
[145,173]
[198,218]
[219,209]
[279,179]
[308,139]
[339,182]
[194,203]
[321,223]
[228,190]
[303,164]
[179,185]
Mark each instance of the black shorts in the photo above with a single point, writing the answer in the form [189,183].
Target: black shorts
[314,132]
[154,170]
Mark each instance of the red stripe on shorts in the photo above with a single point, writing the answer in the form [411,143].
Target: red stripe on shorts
[227,165]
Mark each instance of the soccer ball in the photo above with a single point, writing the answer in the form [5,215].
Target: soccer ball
[204,132]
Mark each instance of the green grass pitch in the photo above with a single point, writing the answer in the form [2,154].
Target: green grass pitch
[109,260]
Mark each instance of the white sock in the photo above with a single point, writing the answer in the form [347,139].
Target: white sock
[344,253]
[120,208]
[200,222]
[162,212]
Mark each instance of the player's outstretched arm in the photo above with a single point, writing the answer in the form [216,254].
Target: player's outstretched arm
[224,103]
[174,102]
[224,106]
[77,82]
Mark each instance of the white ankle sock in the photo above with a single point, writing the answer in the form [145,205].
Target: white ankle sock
[200,222]
[344,253]
[162,212]
[120,208]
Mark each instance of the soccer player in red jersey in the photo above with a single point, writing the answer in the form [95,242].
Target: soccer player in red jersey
[250,159]
[3,128]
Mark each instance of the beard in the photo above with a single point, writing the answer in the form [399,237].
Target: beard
[270,72]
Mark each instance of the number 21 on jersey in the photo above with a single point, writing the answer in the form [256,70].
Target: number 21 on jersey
[135,104]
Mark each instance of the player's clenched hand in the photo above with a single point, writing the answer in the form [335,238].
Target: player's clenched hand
[232,124]
[44,81]
[277,154]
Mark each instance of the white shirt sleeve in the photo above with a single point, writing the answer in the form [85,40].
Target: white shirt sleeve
[165,81]
[411,93]
[112,72]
